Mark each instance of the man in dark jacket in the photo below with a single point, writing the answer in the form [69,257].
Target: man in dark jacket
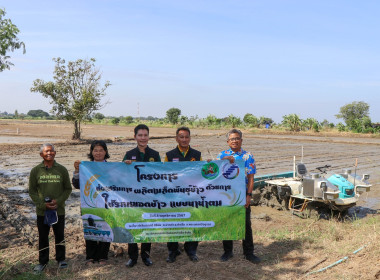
[183,152]
[141,153]
[49,188]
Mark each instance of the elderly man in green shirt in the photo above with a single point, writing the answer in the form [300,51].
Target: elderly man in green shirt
[49,188]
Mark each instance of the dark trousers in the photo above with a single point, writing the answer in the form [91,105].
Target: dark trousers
[133,250]
[97,250]
[190,247]
[248,247]
[43,239]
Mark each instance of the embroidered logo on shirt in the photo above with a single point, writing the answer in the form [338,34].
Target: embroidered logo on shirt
[175,160]
[192,159]
[151,159]
[134,157]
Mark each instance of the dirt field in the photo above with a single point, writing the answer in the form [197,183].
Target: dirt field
[285,255]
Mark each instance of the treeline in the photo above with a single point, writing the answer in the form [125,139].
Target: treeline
[355,116]
[32,114]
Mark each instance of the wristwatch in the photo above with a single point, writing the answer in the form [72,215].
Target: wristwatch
[249,193]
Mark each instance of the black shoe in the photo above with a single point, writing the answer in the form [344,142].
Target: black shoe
[131,263]
[253,258]
[39,268]
[62,264]
[193,257]
[172,256]
[147,261]
[226,256]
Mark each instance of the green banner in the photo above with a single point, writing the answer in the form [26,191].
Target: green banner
[163,202]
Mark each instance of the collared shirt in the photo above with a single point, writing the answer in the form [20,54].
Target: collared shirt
[249,161]
[184,153]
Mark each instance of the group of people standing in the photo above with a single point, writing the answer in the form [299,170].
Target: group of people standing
[49,187]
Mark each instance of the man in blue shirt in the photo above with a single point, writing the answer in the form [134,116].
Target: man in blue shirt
[235,140]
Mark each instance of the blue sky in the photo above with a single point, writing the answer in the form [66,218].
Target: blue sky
[269,58]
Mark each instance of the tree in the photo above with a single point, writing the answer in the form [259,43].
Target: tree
[250,120]
[212,120]
[183,120]
[233,120]
[292,121]
[16,114]
[316,127]
[76,91]
[340,127]
[37,113]
[115,121]
[99,116]
[325,123]
[353,111]
[193,119]
[366,124]
[128,119]
[8,40]
[172,115]
[363,125]
[309,123]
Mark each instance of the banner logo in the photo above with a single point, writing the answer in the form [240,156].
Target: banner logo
[230,171]
[210,170]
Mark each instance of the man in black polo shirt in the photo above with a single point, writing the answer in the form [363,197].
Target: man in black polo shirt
[183,152]
[141,153]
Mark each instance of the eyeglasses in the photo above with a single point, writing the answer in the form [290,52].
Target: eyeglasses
[234,139]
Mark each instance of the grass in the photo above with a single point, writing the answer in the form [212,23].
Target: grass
[330,238]
[286,244]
